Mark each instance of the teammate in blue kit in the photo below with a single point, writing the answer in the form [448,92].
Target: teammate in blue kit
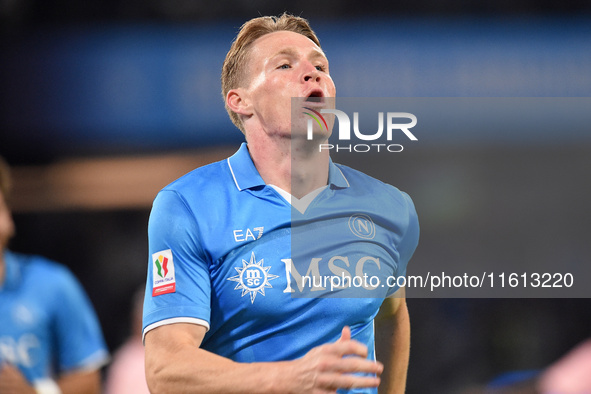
[227,308]
[50,338]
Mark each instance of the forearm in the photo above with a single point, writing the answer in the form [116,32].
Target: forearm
[175,363]
[197,370]
[80,382]
[393,349]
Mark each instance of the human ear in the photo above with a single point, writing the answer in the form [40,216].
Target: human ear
[237,101]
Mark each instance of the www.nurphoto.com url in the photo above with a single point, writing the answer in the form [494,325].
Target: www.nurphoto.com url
[443,280]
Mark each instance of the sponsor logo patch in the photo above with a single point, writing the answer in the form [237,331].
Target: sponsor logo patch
[163,273]
[253,278]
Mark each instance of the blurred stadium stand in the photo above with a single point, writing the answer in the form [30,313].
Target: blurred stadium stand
[151,88]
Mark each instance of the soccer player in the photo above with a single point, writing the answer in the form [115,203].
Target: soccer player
[50,338]
[227,308]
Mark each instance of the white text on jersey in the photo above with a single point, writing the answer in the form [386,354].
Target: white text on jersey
[248,234]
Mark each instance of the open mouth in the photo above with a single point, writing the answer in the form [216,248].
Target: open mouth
[315,96]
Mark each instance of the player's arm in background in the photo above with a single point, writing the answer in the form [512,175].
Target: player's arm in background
[81,382]
[81,349]
[392,326]
[176,363]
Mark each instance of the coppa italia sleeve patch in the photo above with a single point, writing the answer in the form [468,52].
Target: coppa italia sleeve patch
[163,273]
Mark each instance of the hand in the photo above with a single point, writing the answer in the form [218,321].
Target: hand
[12,381]
[324,369]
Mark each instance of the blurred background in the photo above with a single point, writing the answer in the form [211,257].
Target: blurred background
[104,102]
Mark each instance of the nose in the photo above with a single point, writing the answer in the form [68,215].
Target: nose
[311,74]
[315,76]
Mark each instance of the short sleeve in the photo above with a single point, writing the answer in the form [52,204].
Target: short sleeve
[178,287]
[80,342]
[410,238]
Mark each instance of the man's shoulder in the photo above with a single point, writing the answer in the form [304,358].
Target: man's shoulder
[211,174]
[39,268]
[364,183]
[201,187]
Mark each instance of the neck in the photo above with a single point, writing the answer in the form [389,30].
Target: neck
[295,165]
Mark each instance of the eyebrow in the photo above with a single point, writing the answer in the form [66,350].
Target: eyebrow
[293,53]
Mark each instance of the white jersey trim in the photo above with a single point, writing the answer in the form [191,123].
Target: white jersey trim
[348,185]
[95,361]
[46,386]
[191,320]
[233,176]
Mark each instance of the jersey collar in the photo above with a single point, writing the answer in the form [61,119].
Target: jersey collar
[243,171]
[336,178]
[246,176]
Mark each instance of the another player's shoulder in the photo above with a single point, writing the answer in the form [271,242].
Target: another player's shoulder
[41,269]
[363,184]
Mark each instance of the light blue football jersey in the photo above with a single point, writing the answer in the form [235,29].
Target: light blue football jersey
[230,253]
[47,323]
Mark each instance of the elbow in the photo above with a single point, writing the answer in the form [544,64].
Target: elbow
[155,377]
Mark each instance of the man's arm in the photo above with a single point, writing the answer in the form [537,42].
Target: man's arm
[79,382]
[175,363]
[13,381]
[392,325]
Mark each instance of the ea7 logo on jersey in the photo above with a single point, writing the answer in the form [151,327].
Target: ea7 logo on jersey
[253,278]
[163,273]
[245,235]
